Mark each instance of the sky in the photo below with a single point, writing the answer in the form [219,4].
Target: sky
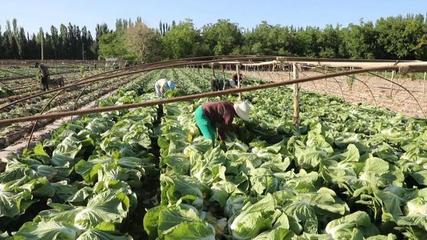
[33,14]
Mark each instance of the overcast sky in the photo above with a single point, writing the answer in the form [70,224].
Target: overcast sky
[33,14]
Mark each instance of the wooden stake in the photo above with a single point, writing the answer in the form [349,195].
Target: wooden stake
[326,80]
[238,79]
[296,117]
[42,46]
[424,84]
[223,73]
[213,70]
[391,83]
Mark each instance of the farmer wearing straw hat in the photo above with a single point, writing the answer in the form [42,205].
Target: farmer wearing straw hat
[162,86]
[219,115]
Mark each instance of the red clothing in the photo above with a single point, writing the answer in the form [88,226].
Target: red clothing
[220,114]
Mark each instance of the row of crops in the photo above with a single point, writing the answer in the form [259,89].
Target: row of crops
[69,99]
[27,82]
[19,71]
[349,172]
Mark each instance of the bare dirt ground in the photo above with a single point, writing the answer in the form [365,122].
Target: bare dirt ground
[365,88]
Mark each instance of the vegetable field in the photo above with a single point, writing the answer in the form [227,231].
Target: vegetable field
[25,98]
[348,172]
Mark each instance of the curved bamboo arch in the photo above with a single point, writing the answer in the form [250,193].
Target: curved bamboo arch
[404,88]
[187,97]
[270,75]
[48,103]
[129,71]
[315,87]
[33,128]
[337,82]
[182,62]
[369,89]
[367,86]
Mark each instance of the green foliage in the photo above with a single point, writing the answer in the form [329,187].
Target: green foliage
[400,37]
[113,45]
[183,40]
[360,40]
[222,37]
[5,92]
[348,172]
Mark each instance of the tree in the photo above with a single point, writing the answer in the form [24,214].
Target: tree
[399,36]
[308,40]
[402,37]
[113,45]
[223,37]
[183,40]
[330,42]
[421,48]
[143,42]
[360,41]
[267,39]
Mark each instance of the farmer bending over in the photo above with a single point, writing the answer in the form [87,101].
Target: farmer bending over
[223,84]
[162,86]
[219,115]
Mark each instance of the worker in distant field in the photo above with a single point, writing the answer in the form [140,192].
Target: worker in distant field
[223,84]
[162,86]
[43,75]
[219,116]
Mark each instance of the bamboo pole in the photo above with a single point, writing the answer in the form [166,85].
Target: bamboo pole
[296,97]
[326,80]
[238,79]
[223,73]
[391,84]
[424,85]
[213,70]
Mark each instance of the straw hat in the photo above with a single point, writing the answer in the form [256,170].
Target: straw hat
[242,109]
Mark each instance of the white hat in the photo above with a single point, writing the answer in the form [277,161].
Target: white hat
[242,109]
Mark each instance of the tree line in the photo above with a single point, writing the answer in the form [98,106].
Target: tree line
[66,42]
[401,37]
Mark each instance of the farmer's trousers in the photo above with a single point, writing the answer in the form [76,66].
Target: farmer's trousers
[204,124]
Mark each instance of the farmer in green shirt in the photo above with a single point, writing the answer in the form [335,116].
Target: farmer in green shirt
[219,115]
